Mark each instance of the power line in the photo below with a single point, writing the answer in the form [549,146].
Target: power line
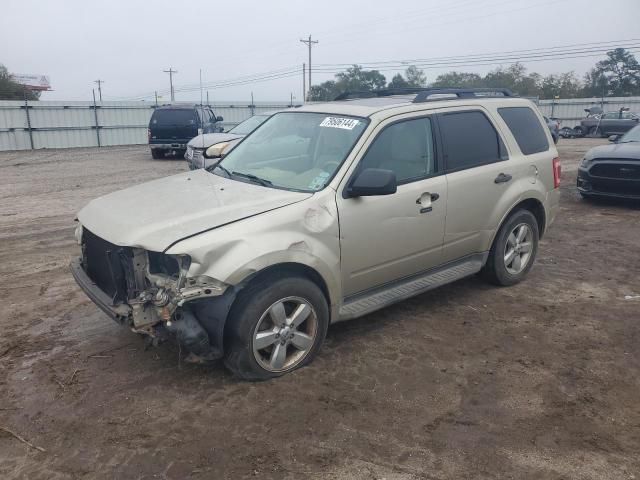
[602,44]
[444,62]
[529,55]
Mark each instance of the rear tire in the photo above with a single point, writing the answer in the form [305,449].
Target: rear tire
[514,249]
[276,325]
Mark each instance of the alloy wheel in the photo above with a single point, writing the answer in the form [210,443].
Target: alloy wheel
[285,334]
[518,249]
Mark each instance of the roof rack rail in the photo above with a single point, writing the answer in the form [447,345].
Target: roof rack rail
[386,92]
[424,95]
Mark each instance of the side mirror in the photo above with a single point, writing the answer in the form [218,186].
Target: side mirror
[372,182]
[219,119]
[614,138]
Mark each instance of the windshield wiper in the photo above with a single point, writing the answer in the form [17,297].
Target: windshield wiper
[262,181]
[217,165]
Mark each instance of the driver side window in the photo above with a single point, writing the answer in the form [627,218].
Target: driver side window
[405,148]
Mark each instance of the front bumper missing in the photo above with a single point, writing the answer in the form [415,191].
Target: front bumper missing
[198,326]
[119,312]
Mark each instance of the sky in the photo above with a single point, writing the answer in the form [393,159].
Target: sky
[128,44]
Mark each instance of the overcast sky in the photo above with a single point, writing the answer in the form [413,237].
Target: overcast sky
[129,43]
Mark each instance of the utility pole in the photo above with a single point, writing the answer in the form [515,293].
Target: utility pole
[309,43]
[304,82]
[171,71]
[99,82]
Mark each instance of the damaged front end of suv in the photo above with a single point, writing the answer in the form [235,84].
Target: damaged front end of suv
[151,293]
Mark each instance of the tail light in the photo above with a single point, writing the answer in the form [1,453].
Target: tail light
[557,170]
[148,134]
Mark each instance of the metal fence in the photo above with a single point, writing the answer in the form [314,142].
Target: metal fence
[33,125]
[570,110]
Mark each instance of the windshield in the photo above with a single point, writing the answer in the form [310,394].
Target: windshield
[249,125]
[632,135]
[296,151]
[173,117]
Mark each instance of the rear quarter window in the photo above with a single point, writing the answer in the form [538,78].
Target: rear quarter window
[526,128]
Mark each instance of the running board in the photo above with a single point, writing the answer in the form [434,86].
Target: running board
[367,302]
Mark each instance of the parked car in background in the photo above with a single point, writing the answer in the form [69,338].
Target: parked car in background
[198,147]
[554,127]
[324,213]
[172,126]
[568,132]
[612,170]
[608,123]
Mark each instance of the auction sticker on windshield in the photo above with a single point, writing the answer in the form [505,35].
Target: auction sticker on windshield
[339,122]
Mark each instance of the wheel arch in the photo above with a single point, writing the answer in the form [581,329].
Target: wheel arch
[291,268]
[535,206]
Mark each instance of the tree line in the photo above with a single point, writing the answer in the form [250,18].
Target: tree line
[616,76]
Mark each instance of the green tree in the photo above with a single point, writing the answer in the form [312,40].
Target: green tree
[458,79]
[563,85]
[398,81]
[618,75]
[415,77]
[354,79]
[10,90]
[325,92]
[514,77]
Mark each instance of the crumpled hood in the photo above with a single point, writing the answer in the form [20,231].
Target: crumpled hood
[156,214]
[208,139]
[627,151]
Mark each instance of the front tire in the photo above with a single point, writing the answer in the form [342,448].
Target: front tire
[157,154]
[277,324]
[514,249]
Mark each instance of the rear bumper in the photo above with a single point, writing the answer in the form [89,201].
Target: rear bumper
[168,146]
[120,313]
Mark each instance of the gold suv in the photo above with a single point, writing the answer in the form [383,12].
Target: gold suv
[324,213]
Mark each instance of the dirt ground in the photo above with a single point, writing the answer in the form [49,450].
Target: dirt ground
[536,381]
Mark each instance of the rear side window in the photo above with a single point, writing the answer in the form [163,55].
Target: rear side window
[526,129]
[174,117]
[469,140]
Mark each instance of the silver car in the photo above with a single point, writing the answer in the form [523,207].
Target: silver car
[197,147]
[324,213]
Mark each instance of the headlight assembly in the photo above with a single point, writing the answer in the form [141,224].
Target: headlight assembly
[216,150]
[78,233]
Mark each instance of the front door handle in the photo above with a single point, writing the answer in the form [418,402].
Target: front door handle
[425,201]
[503,178]
[427,196]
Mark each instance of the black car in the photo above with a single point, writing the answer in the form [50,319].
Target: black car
[612,170]
[172,126]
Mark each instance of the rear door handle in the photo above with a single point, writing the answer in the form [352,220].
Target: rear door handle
[503,178]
